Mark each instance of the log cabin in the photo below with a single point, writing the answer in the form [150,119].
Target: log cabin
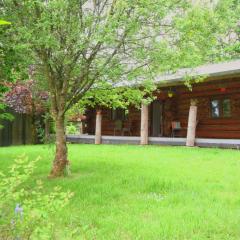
[207,114]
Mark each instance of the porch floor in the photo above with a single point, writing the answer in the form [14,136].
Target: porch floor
[200,142]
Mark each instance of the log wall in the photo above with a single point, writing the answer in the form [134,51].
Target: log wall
[209,127]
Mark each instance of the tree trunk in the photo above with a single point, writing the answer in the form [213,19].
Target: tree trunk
[34,127]
[60,164]
[47,129]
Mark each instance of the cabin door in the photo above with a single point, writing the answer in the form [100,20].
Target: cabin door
[156,123]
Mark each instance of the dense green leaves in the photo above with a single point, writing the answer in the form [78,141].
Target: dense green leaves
[88,44]
[227,16]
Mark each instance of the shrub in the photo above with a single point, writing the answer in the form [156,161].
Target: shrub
[27,213]
[71,129]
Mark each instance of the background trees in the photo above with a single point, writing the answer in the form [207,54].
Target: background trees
[228,44]
[83,46]
[26,97]
[13,66]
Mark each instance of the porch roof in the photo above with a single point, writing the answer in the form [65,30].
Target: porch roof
[211,71]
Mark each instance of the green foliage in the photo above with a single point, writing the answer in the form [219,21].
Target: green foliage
[14,59]
[27,212]
[86,47]
[71,128]
[4,115]
[198,31]
[190,79]
[119,96]
[40,131]
[227,16]
[2,22]
[14,66]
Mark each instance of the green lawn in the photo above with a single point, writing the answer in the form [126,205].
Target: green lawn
[134,192]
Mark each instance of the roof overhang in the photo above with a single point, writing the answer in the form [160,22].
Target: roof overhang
[210,72]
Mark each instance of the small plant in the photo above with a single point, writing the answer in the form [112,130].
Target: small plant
[4,115]
[27,213]
[40,131]
[71,129]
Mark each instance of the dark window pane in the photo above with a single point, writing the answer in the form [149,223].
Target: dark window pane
[226,104]
[113,114]
[118,114]
[215,108]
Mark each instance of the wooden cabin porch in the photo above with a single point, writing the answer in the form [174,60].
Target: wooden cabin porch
[210,111]
[208,114]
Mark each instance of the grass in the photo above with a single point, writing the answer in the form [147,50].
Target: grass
[133,192]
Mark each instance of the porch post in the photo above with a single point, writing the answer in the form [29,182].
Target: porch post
[192,123]
[98,129]
[144,124]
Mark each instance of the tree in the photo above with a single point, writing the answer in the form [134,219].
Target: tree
[2,106]
[82,45]
[228,44]
[13,67]
[25,97]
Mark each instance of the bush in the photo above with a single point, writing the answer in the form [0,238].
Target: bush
[71,129]
[27,213]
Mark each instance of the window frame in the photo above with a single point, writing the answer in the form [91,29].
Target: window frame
[221,112]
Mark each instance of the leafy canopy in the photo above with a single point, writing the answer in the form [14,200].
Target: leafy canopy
[83,45]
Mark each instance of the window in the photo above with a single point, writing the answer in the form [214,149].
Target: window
[118,114]
[220,108]
[215,108]
[226,108]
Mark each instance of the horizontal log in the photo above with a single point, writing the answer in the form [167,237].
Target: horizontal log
[215,134]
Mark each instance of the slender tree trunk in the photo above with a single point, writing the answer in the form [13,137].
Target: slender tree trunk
[47,129]
[60,164]
[34,125]
[34,129]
